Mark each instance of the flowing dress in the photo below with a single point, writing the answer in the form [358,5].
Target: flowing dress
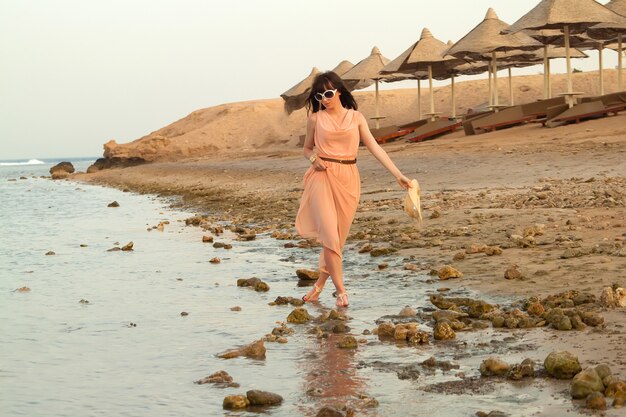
[330,197]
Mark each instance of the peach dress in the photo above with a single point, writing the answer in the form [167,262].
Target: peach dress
[330,197]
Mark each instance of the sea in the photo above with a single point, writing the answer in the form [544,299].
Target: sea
[90,331]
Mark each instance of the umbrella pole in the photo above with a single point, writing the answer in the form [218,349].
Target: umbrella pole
[453,99]
[495,79]
[601,68]
[620,53]
[545,72]
[549,81]
[490,85]
[568,60]
[511,99]
[419,99]
[432,94]
[376,105]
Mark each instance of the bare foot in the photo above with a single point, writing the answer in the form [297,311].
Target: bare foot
[313,295]
[342,300]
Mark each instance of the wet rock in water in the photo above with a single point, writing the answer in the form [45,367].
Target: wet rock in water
[61,170]
[614,388]
[263,398]
[443,331]
[400,333]
[283,330]
[307,274]
[128,247]
[253,282]
[523,370]
[596,401]
[340,328]
[247,237]
[366,248]
[83,301]
[281,300]
[493,251]
[235,402]
[410,267]
[513,272]
[220,378]
[604,371]
[382,251]
[590,318]
[586,382]
[255,350]
[365,401]
[50,253]
[207,239]
[494,413]
[494,367]
[328,411]
[407,312]
[448,272]
[383,265]
[215,260]
[434,363]
[113,204]
[184,313]
[562,365]
[236,308]
[459,256]
[386,330]
[348,342]
[298,316]
[535,309]
[620,399]
[441,315]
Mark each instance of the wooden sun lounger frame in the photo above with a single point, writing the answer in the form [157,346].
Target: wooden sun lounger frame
[453,126]
[614,110]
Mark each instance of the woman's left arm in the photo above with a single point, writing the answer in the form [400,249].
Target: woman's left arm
[379,153]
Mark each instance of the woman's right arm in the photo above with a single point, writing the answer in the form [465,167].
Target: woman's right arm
[309,143]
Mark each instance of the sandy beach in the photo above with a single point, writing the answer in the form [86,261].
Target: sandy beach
[553,201]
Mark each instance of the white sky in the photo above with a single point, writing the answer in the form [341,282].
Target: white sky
[76,73]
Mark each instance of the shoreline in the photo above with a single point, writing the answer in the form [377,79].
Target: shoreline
[552,199]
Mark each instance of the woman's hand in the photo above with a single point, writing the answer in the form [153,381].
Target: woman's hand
[318,164]
[404,182]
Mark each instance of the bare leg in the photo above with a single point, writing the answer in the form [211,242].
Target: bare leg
[314,293]
[333,263]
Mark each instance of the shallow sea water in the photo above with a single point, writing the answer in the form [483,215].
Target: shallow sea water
[59,357]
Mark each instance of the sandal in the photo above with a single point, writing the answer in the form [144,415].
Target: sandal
[316,291]
[342,300]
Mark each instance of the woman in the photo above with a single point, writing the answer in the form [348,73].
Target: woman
[332,185]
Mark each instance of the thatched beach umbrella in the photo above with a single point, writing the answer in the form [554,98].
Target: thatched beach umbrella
[611,32]
[295,98]
[368,69]
[427,54]
[487,39]
[569,16]
[345,66]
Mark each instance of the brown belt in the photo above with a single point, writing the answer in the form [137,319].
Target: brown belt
[339,161]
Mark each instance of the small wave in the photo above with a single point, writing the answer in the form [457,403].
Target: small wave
[29,162]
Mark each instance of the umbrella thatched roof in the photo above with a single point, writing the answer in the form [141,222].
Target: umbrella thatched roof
[578,15]
[427,51]
[368,68]
[487,37]
[557,37]
[345,66]
[618,6]
[607,31]
[295,98]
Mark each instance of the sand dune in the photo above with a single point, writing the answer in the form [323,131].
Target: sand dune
[262,125]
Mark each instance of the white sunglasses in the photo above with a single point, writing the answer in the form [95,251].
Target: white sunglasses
[326,94]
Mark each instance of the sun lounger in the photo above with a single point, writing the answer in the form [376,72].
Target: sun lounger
[433,129]
[583,111]
[609,100]
[509,117]
[470,117]
[539,108]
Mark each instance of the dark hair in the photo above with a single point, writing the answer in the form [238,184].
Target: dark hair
[329,80]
